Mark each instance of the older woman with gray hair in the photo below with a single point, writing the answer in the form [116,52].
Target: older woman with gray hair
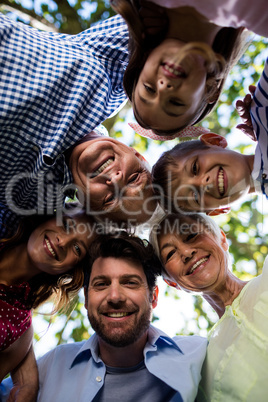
[194,252]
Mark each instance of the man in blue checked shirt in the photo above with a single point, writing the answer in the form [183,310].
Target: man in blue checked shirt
[54,90]
[127,359]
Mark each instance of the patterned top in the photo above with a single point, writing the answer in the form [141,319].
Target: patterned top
[15,316]
[259,117]
[236,365]
[54,89]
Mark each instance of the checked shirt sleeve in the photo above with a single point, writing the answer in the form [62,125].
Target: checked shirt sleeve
[57,88]
[259,116]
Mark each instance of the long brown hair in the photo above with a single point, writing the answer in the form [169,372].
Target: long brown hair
[229,45]
[63,287]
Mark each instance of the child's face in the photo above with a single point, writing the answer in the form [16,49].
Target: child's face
[168,94]
[207,179]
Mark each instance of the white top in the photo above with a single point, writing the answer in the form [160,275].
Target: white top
[228,13]
[236,365]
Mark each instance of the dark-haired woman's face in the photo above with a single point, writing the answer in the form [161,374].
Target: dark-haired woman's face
[168,94]
[195,258]
[56,249]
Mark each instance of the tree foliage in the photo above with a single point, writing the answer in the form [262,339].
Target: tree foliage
[245,226]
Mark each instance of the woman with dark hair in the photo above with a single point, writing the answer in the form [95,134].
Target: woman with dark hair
[174,78]
[42,259]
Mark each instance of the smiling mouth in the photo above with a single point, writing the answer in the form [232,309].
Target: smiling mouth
[221,187]
[51,249]
[117,315]
[102,167]
[196,265]
[176,71]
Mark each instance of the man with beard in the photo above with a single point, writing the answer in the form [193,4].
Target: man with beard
[127,359]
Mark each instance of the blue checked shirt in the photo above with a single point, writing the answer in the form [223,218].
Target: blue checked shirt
[54,89]
[259,116]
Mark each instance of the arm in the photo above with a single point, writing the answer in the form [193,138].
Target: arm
[19,360]
[243,109]
[25,380]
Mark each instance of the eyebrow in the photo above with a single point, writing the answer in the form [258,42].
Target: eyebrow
[126,276]
[166,245]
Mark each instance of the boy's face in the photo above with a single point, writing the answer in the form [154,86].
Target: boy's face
[209,178]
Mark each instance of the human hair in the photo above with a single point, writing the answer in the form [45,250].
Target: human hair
[175,223]
[228,46]
[123,245]
[164,171]
[63,287]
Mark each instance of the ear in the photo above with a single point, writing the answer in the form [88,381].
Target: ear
[142,159]
[138,154]
[213,139]
[219,211]
[224,242]
[86,298]
[212,90]
[155,297]
[171,283]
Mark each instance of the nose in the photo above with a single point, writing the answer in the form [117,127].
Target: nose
[64,240]
[207,182]
[116,294]
[187,254]
[115,177]
[164,84]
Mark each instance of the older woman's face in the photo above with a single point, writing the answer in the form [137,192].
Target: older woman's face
[193,256]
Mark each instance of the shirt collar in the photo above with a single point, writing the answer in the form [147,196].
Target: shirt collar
[89,349]
[156,337]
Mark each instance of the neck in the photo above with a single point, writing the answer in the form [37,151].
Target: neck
[192,26]
[15,266]
[127,356]
[225,294]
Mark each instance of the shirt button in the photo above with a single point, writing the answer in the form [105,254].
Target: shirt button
[99,379]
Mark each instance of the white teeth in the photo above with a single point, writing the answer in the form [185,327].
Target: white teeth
[173,71]
[103,166]
[50,248]
[221,182]
[117,315]
[197,264]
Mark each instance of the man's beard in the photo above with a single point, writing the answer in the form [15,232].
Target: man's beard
[122,337]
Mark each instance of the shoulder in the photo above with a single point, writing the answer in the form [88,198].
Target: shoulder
[191,343]
[61,355]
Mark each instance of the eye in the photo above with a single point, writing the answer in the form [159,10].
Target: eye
[196,197]
[134,177]
[195,168]
[175,102]
[77,249]
[100,285]
[191,236]
[149,89]
[130,283]
[109,199]
[169,255]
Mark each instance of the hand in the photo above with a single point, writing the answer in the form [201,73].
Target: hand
[154,19]
[243,109]
[24,393]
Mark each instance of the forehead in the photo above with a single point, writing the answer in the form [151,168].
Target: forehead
[182,226]
[116,267]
